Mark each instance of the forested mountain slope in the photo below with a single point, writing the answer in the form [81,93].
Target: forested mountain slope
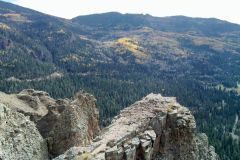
[122,57]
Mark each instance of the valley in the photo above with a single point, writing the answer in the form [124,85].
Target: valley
[120,58]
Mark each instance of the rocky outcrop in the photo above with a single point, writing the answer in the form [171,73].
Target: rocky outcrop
[63,123]
[155,128]
[36,100]
[19,137]
[29,102]
[70,123]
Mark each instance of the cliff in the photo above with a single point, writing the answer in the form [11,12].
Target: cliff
[63,123]
[155,128]
[70,123]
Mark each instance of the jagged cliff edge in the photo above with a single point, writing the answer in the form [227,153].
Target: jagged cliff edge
[155,128]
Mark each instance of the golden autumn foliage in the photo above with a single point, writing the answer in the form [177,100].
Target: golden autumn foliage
[4,26]
[131,45]
[138,61]
[73,57]
[11,14]
[3,52]
[6,64]
[61,31]
[83,37]
[65,59]
[146,29]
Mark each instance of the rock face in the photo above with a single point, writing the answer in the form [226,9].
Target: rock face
[19,137]
[63,123]
[70,123]
[155,128]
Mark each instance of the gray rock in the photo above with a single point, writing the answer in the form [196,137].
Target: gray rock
[19,137]
[70,123]
[112,152]
[63,123]
[155,128]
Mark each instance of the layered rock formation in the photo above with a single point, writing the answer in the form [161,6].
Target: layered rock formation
[19,138]
[155,128]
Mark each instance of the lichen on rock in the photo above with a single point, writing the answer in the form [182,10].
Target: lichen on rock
[19,137]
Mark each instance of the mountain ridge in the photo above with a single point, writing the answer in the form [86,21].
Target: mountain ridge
[122,62]
[110,17]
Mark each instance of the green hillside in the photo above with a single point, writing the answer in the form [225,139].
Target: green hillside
[122,57]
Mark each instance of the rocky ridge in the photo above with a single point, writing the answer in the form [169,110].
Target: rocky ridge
[154,128]
[62,123]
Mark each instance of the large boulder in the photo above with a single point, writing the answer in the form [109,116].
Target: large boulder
[19,137]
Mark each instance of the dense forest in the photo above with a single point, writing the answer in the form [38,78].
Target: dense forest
[215,110]
[120,58]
